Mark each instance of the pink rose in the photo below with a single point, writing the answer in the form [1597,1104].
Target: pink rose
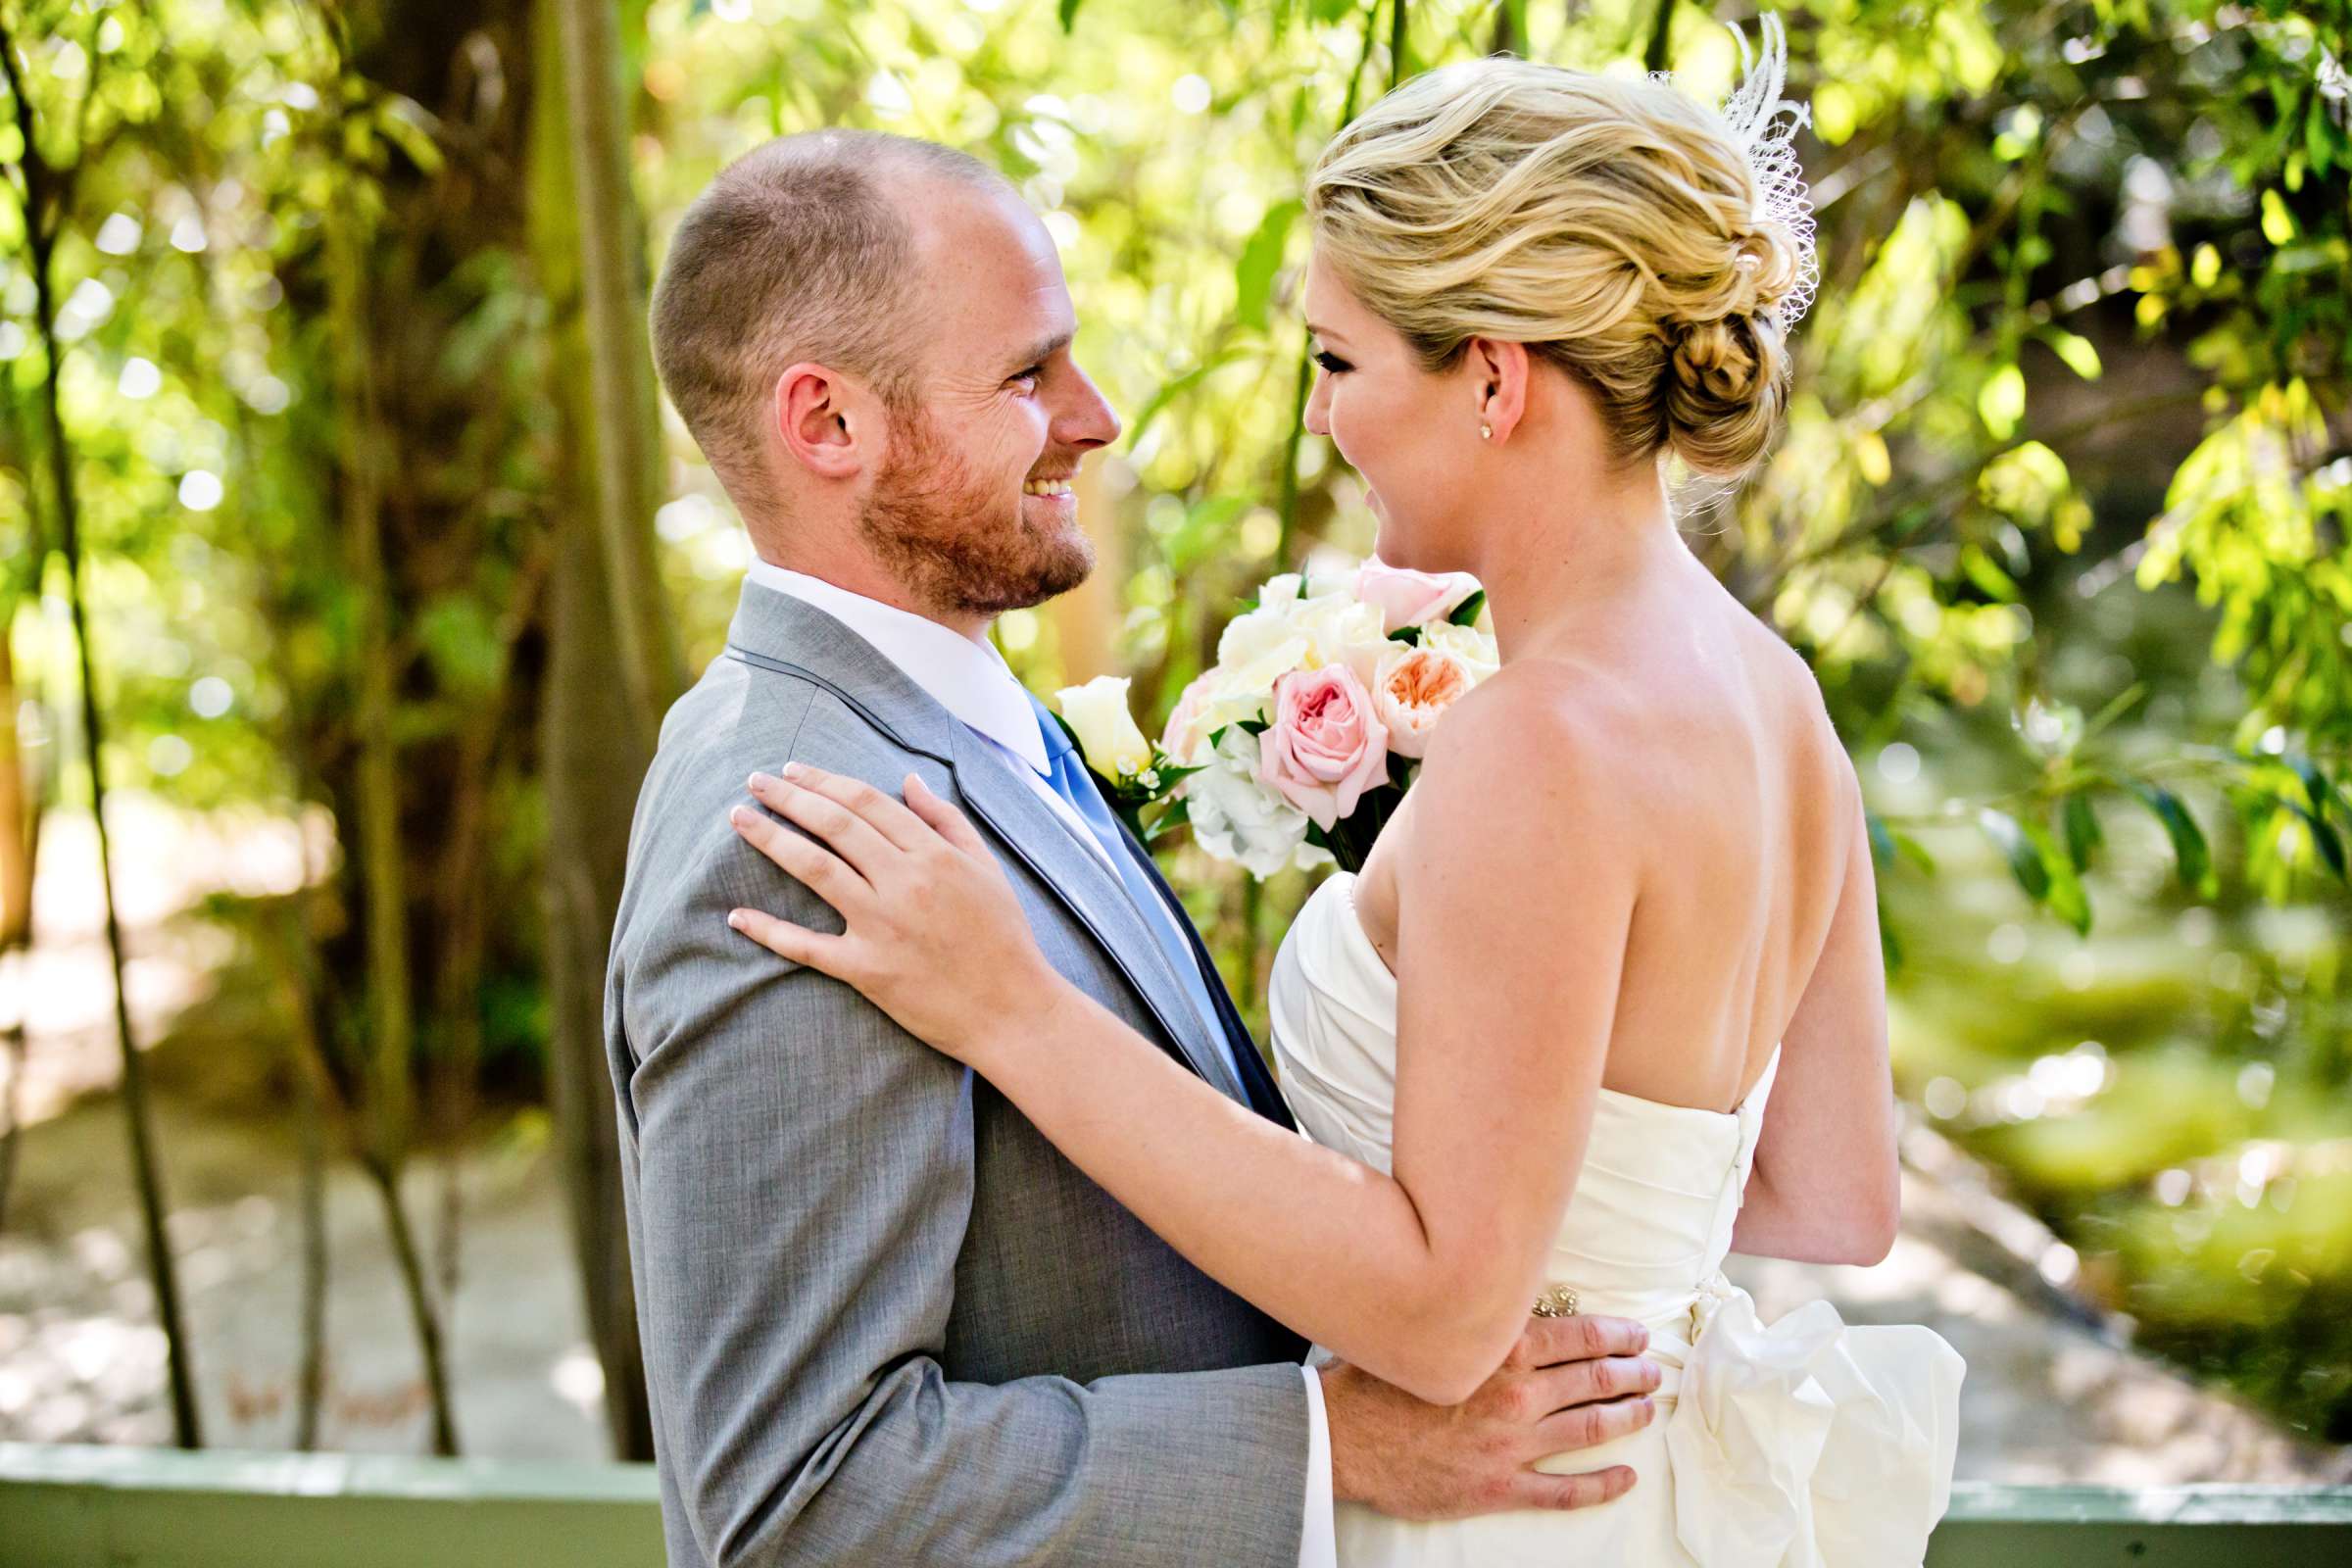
[1408,598]
[1326,747]
[1416,686]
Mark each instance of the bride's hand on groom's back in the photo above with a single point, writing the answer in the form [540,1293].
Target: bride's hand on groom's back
[1570,1382]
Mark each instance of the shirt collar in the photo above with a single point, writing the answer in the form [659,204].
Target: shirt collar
[964,675]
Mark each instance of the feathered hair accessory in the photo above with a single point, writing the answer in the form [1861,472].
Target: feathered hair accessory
[1765,127]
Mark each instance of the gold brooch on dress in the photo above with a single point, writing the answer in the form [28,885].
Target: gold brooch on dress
[1559,1300]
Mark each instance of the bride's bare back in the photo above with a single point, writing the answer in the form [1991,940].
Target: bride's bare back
[1754,922]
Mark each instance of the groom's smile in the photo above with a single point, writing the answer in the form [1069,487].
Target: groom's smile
[980,507]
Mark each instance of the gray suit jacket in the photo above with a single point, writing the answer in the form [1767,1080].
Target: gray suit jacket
[884,1320]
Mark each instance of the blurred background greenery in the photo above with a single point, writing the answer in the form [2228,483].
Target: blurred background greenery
[337,517]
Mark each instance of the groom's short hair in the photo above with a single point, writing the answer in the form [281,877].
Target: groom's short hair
[799,250]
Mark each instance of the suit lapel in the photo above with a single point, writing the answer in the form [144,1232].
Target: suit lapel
[1258,1081]
[775,631]
[1090,891]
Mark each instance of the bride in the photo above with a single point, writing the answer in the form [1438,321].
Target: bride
[1605,1002]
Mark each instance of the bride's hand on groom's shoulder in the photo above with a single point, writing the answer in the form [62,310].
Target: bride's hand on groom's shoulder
[933,933]
[1570,1382]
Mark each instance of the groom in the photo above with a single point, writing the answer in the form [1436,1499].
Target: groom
[884,1321]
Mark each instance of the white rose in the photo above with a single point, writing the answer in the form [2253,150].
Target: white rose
[1342,629]
[1108,734]
[1473,647]
[1238,819]
[1252,636]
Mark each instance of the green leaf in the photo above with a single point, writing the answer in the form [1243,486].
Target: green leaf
[2026,863]
[1408,635]
[1262,259]
[2067,900]
[1179,814]
[1882,839]
[1466,612]
[1910,848]
[1069,14]
[2323,838]
[2074,349]
[2001,400]
[2321,794]
[1168,393]
[1987,573]
[2084,838]
[406,124]
[2034,859]
[2191,854]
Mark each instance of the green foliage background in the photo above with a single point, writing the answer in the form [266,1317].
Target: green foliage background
[2059,518]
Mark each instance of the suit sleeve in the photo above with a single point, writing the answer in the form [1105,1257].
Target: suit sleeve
[803,1178]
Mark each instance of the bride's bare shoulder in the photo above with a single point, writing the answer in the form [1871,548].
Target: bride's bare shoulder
[1543,728]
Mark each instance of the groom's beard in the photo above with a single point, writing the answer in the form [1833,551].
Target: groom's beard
[953,540]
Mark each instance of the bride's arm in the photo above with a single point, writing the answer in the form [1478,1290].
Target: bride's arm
[1517,893]
[1826,1186]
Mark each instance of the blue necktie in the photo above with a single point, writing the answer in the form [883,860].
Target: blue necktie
[1066,774]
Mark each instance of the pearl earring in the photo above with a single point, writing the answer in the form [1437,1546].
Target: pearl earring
[1486,432]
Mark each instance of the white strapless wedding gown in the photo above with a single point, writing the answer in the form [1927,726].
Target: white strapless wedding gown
[1801,1444]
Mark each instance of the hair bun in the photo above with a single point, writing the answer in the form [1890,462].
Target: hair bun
[1713,363]
[1724,386]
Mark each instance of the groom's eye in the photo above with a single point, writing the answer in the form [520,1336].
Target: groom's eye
[1332,363]
[1030,376]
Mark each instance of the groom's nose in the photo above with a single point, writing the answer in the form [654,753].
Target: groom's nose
[1083,419]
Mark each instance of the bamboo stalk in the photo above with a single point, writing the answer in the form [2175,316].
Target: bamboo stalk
[621,388]
[48,199]
[389,1108]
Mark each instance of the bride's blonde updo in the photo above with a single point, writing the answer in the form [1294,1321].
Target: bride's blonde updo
[1656,249]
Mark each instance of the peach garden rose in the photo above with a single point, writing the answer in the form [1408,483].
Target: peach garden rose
[1414,688]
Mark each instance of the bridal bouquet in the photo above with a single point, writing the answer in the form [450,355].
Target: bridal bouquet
[1299,743]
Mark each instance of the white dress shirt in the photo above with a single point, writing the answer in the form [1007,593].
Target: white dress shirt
[969,678]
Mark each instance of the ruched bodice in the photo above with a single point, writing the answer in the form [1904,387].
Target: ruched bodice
[1801,1442]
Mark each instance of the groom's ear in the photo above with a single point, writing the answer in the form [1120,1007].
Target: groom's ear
[1499,380]
[820,420]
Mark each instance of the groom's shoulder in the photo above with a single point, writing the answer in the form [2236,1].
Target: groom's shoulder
[738,718]
[741,717]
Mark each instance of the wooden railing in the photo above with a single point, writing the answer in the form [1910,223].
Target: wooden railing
[114,1507]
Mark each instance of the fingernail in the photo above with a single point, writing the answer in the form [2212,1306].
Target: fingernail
[762,781]
[795,771]
[735,919]
[739,815]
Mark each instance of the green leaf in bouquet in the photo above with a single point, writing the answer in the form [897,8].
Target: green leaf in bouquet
[1411,635]
[1179,814]
[1467,613]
